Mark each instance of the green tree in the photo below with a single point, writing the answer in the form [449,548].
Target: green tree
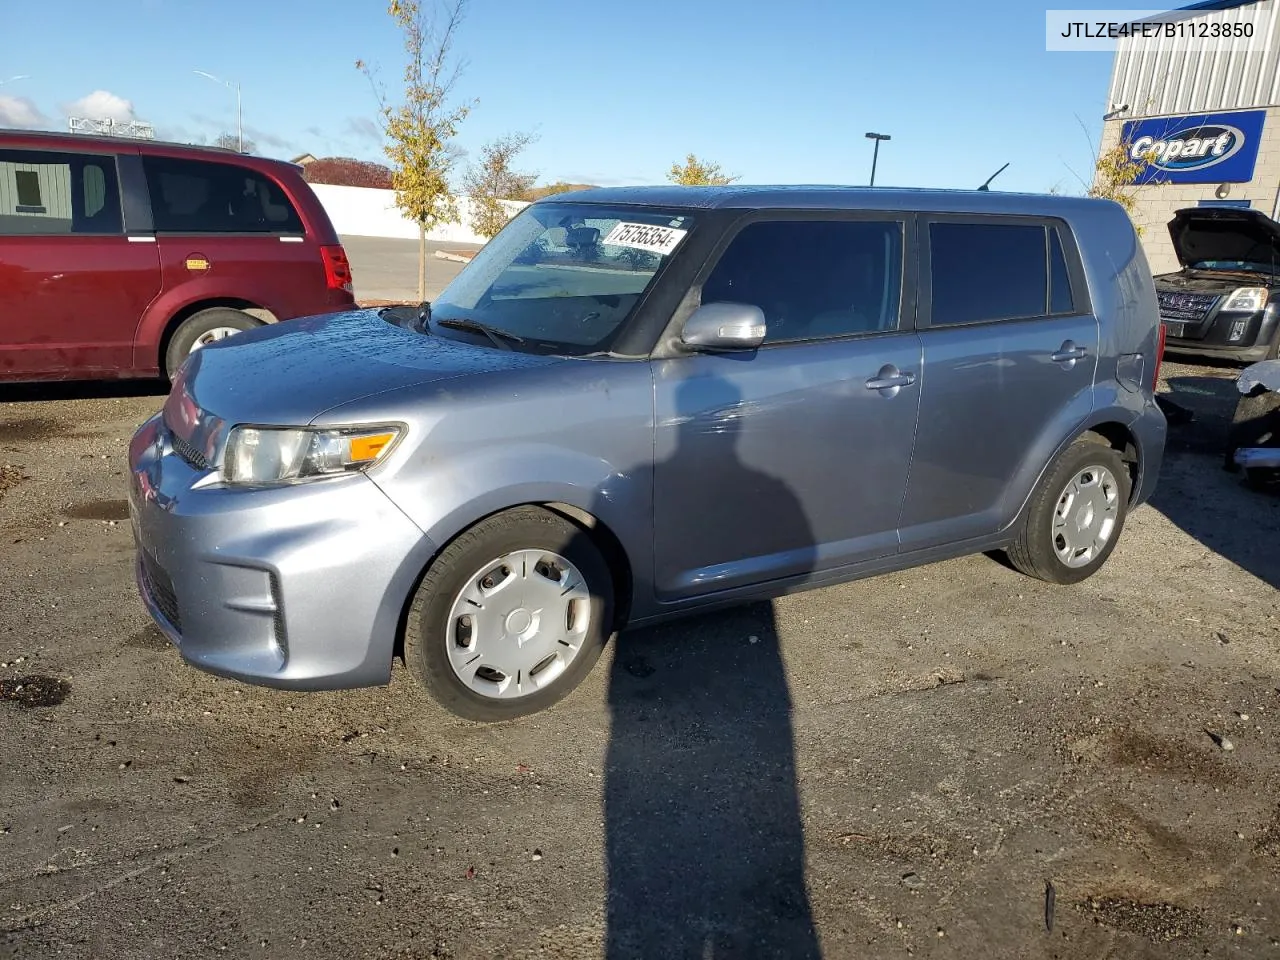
[495,179]
[698,173]
[1116,174]
[421,127]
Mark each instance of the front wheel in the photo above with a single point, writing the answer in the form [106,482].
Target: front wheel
[1075,516]
[511,616]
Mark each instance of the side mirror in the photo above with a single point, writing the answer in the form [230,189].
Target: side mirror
[724,326]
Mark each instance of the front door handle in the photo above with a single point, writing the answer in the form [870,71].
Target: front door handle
[1069,352]
[890,379]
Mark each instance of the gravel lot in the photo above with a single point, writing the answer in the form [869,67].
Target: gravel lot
[950,762]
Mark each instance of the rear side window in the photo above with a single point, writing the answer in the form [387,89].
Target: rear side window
[198,196]
[45,193]
[997,271]
[814,279]
[1060,297]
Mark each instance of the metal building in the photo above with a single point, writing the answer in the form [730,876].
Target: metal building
[1204,111]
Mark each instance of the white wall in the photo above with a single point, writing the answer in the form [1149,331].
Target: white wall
[365,212]
[55,189]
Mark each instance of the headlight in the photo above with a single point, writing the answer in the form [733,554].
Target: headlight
[275,454]
[1247,298]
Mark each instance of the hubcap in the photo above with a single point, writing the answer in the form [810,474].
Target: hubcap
[1085,518]
[518,623]
[210,336]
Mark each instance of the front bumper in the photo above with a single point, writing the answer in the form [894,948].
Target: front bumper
[1246,352]
[298,586]
[1212,337]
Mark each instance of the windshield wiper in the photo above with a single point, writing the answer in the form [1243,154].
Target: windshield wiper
[500,338]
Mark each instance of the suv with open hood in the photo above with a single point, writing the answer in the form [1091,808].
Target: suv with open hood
[1223,302]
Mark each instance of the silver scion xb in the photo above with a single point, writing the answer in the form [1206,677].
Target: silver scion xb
[639,403]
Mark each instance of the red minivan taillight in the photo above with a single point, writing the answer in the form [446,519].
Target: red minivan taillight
[337,268]
[1160,339]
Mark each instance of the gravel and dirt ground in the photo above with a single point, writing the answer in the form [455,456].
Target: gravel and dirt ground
[955,761]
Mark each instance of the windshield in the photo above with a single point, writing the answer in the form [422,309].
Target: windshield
[564,276]
[1248,266]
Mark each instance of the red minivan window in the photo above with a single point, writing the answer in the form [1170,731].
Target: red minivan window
[194,196]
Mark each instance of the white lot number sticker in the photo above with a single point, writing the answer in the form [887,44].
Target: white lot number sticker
[645,236]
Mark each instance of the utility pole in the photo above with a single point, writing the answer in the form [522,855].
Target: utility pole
[875,156]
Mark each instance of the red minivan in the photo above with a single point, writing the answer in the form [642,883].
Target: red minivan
[119,257]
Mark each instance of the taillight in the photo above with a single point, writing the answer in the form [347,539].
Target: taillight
[337,268]
[1160,339]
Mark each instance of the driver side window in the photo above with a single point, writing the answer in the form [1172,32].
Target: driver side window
[814,279]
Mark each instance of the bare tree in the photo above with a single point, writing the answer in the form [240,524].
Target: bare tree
[421,127]
[229,141]
[495,179]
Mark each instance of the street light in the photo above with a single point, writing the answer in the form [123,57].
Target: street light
[877,137]
[230,86]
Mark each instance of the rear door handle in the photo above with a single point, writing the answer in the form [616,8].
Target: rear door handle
[1069,352]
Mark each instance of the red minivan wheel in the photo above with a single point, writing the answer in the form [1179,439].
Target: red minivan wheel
[203,328]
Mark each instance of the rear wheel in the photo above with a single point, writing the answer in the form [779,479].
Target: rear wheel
[1075,516]
[201,329]
[511,616]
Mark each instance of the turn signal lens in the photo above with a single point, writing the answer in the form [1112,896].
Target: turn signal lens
[367,449]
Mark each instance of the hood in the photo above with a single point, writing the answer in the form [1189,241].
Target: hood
[291,372]
[1224,233]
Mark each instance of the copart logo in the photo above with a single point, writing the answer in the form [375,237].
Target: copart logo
[1192,148]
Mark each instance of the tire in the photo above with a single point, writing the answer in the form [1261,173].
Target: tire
[437,641]
[198,325]
[1036,551]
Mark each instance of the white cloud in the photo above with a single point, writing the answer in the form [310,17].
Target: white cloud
[101,105]
[22,113]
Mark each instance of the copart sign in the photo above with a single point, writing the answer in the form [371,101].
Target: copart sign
[1204,148]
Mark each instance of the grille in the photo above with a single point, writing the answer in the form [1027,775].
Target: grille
[161,589]
[188,452]
[1185,306]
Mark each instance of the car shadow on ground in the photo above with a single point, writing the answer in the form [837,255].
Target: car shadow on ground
[81,390]
[1209,503]
[704,842]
